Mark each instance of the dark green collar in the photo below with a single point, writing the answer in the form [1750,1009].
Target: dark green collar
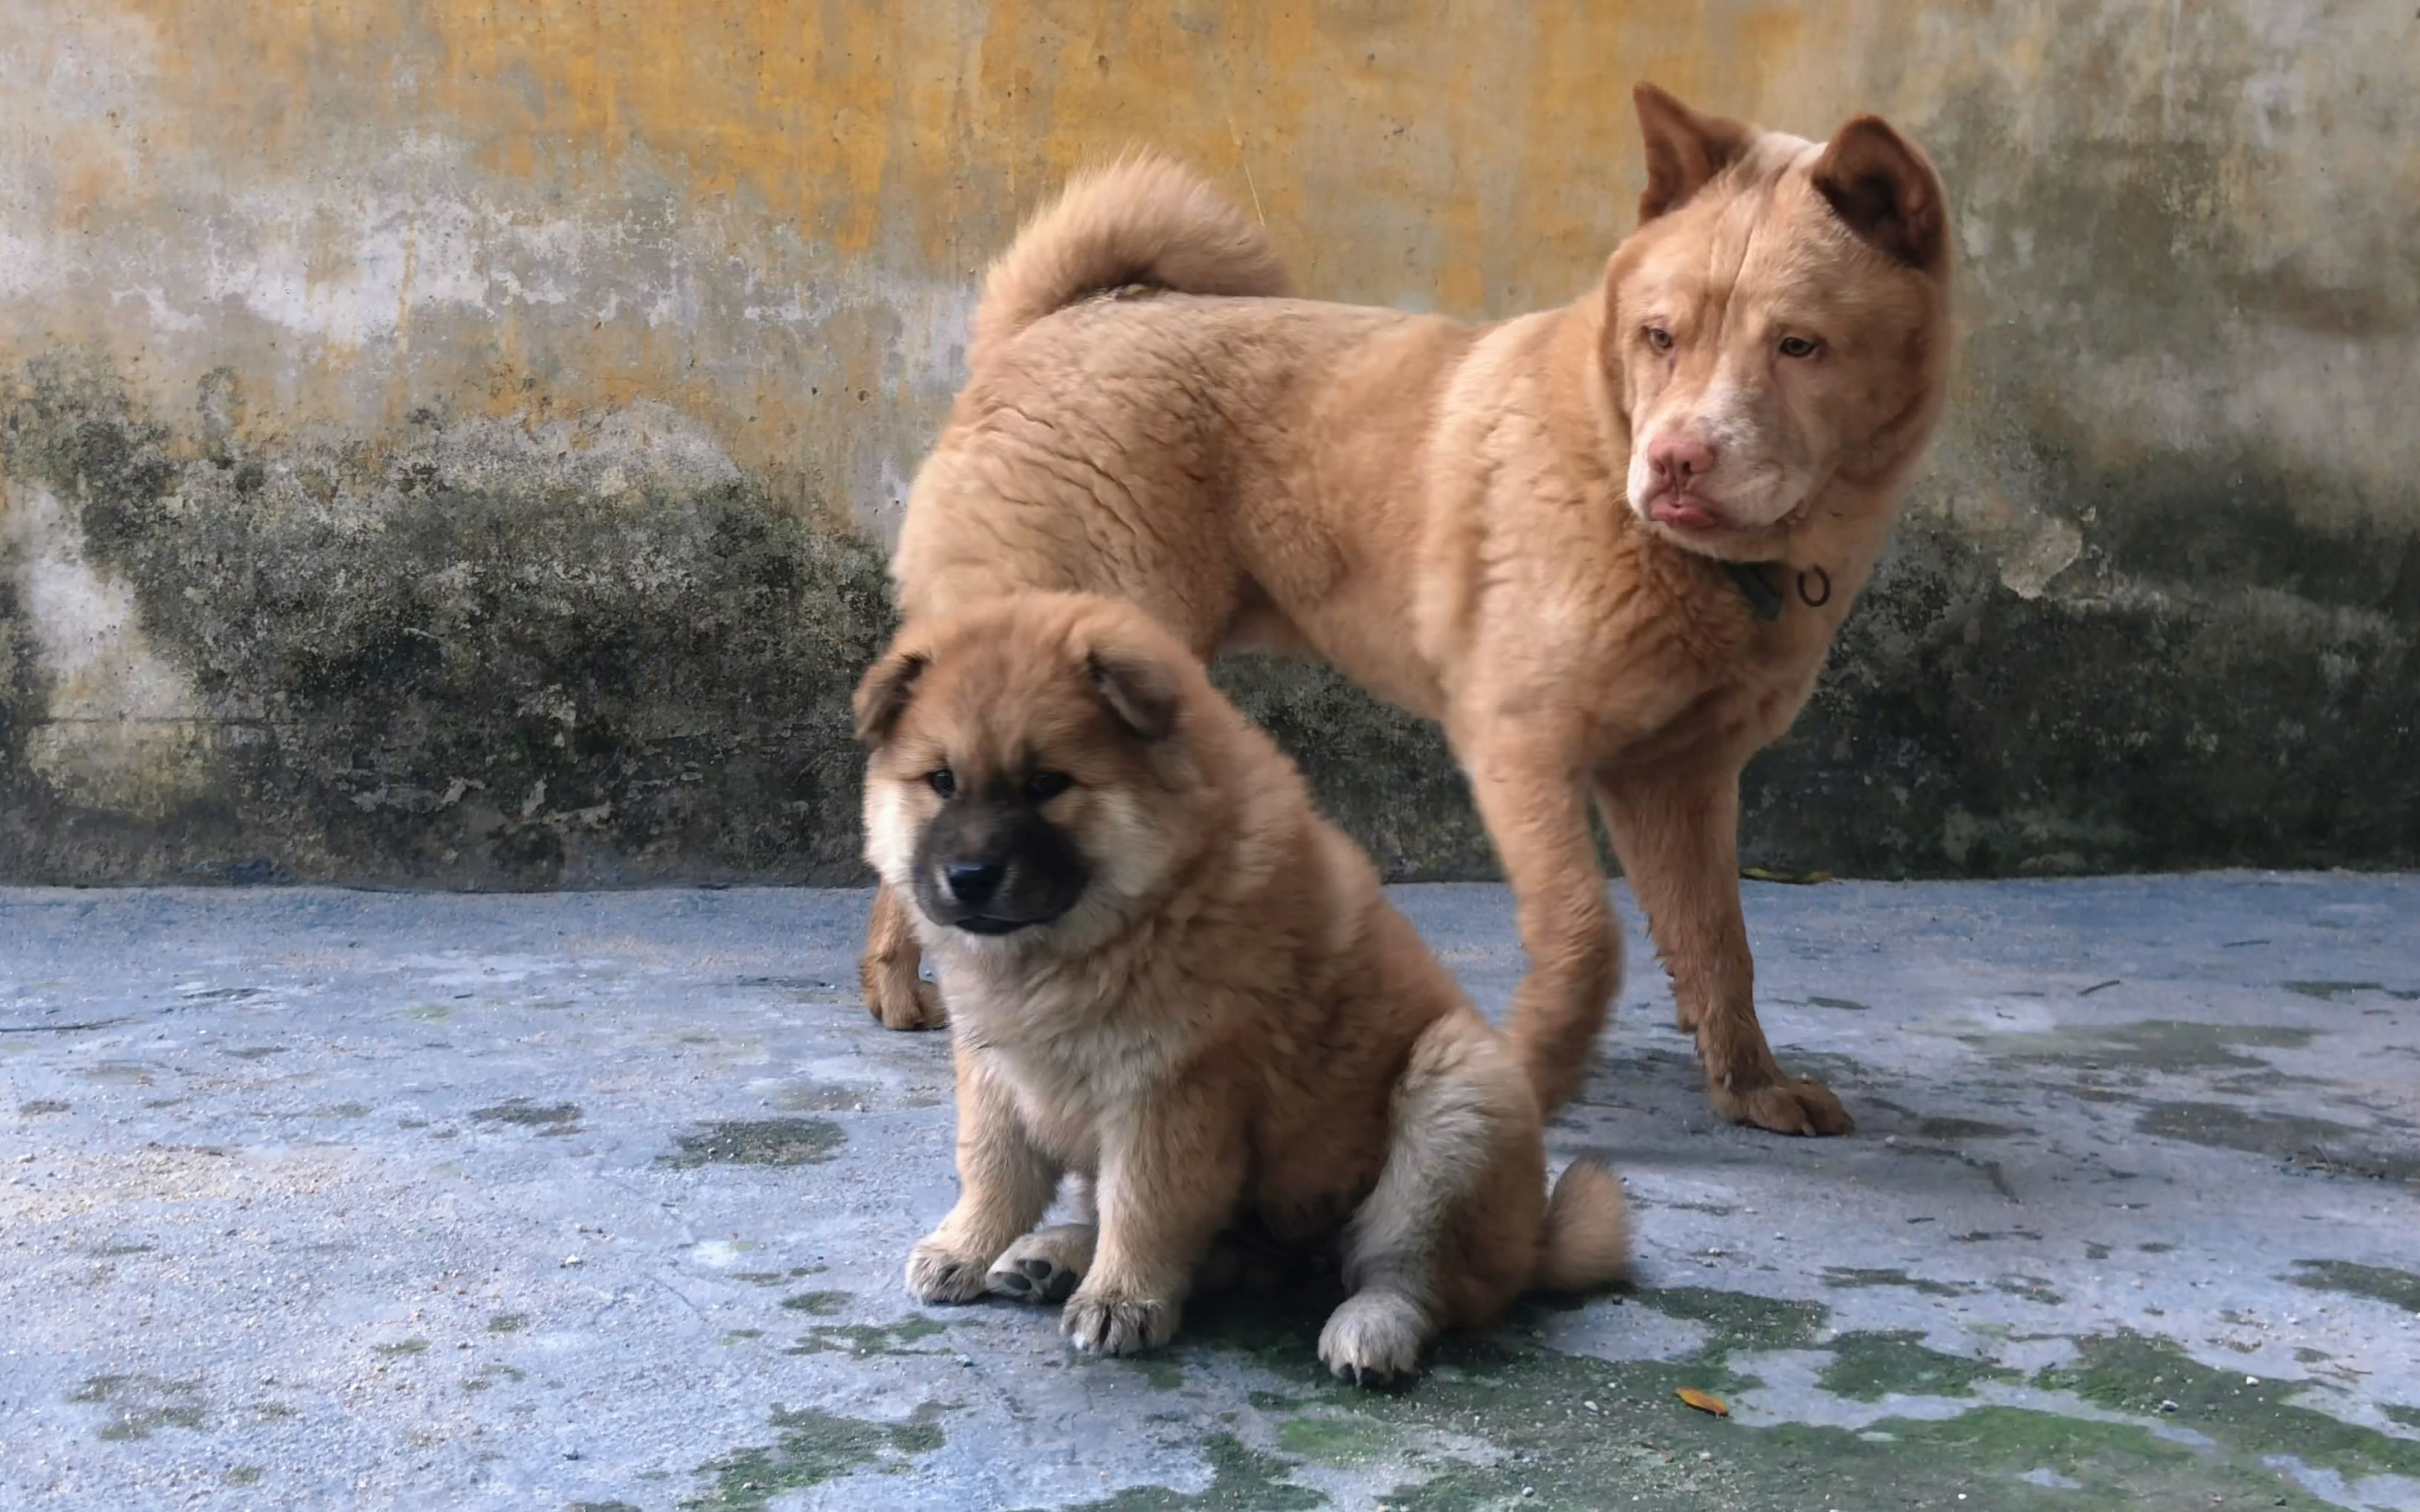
[1765,600]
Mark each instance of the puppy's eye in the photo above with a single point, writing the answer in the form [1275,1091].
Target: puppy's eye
[1659,338]
[1044,786]
[1797,347]
[945,782]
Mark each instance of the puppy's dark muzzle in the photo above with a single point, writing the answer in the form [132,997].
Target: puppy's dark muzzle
[993,867]
[971,894]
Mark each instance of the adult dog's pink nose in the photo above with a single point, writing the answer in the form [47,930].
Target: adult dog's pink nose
[1678,460]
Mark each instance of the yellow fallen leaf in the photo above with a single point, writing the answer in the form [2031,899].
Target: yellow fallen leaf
[1704,1403]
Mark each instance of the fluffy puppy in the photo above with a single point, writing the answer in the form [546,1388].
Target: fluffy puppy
[1171,980]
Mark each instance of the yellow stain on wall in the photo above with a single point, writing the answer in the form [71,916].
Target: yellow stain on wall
[924,131]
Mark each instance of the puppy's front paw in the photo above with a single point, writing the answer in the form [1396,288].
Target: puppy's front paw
[1373,1340]
[1104,1322]
[936,1273]
[1044,1265]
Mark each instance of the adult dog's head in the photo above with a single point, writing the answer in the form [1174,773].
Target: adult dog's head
[1777,331]
[1031,777]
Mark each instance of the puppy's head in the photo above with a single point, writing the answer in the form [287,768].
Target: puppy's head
[1778,322]
[1029,767]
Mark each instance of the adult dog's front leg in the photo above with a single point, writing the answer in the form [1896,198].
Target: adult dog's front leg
[895,995]
[1533,801]
[1170,1175]
[1676,833]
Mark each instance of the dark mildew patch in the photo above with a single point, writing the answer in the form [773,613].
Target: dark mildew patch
[471,650]
[759,1142]
[810,1446]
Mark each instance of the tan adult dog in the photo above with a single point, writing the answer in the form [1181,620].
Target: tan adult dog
[1170,977]
[1605,544]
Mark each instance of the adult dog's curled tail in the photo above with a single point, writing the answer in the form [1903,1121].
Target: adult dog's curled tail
[1586,1244]
[1142,220]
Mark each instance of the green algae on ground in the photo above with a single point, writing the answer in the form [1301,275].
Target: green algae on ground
[759,1142]
[1162,1374]
[810,1447]
[141,1405]
[2132,1372]
[1332,1439]
[1869,1366]
[550,1118]
[40,1106]
[1848,1278]
[508,1323]
[1558,1431]
[2378,1283]
[401,1348]
[2320,1144]
[2329,992]
[869,1338]
[821,1304]
[1240,1478]
[2145,1045]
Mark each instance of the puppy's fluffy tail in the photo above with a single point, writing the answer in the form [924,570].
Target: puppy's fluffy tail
[1586,1241]
[1141,220]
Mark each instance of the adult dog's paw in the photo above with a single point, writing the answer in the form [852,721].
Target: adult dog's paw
[1107,1322]
[916,1006]
[1374,1339]
[1787,1106]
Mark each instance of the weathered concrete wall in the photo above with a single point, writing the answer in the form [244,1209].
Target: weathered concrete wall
[445,442]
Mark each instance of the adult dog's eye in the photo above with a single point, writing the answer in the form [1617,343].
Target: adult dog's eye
[945,782]
[1044,786]
[1659,338]
[1797,347]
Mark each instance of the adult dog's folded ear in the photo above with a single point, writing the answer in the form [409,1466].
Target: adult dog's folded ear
[1684,149]
[882,695]
[1883,187]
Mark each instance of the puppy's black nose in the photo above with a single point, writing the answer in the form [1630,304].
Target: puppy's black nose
[972,882]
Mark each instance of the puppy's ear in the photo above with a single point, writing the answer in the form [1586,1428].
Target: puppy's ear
[1684,149]
[882,697]
[1139,690]
[1882,186]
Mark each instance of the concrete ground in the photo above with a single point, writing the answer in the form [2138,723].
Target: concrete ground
[331,1199]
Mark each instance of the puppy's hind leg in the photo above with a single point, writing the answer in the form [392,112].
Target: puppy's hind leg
[1453,1107]
[1047,1264]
